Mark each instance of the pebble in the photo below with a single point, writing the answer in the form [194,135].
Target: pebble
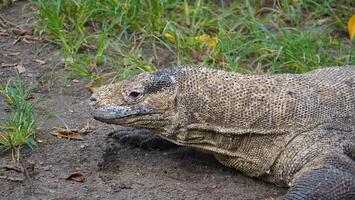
[47,168]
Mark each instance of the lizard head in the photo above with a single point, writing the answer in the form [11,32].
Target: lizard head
[143,101]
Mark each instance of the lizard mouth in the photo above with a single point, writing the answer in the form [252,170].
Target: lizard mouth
[117,114]
[134,116]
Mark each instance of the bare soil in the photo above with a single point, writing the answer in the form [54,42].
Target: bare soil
[111,171]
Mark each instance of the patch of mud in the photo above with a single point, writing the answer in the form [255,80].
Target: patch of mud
[111,170]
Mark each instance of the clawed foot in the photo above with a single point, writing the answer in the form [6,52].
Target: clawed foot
[324,183]
[143,138]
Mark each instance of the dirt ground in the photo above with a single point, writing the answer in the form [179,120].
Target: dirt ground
[111,171]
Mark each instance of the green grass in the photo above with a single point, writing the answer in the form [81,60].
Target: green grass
[18,128]
[136,35]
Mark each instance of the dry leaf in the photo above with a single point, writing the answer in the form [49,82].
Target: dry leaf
[169,37]
[93,89]
[197,55]
[76,176]
[29,167]
[8,64]
[14,53]
[22,32]
[351,27]
[90,46]
[207,40]
[27,31]
[72,134]
[39,140]
[9,178]
[323,20]
[20,68]
[15,168]
[3,33]
[42,62]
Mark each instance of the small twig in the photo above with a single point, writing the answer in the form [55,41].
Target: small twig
[2,18]
[26,168]
[12,178]
[89,46]
[3,33]
[24,39]
[2,24]
[13,168]
[16,41]
[4,65]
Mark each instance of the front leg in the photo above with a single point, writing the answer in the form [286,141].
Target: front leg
[327,184]
[143,138]
[334,181]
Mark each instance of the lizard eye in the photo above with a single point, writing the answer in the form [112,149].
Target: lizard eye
[134,94]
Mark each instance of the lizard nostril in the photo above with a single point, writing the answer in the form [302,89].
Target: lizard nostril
[93,99]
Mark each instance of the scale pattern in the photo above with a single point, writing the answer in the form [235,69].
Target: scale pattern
[285,129]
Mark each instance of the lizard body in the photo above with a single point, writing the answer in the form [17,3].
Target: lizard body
[285,129]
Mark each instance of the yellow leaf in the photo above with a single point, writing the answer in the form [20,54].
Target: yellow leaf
[351,27]
[93,89]
[169,37]
[211,42]
[207,40]
[202,38]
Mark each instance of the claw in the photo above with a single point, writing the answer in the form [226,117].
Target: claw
[140,138]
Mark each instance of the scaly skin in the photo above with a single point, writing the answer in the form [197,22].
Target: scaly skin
[286,129]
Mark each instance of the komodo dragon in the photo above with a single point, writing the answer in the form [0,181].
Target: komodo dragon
[291,130]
